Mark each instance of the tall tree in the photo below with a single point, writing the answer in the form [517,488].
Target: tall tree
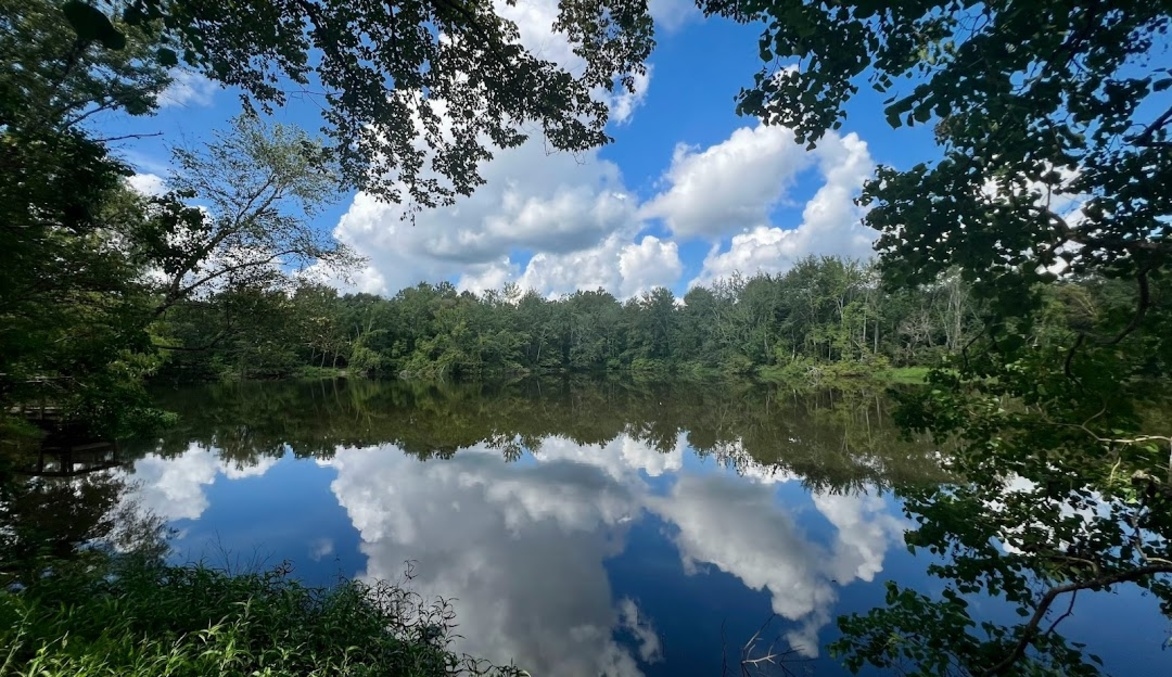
[1053,124]
[239,212]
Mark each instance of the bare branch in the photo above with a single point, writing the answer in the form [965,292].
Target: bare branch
[1144,138]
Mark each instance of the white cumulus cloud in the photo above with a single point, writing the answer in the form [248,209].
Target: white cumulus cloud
[571,216]
[831,222]
[188,88]
[625,102]
[621,267]
[731,185]
[557,223]
[148,184]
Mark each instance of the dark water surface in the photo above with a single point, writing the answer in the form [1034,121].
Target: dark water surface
[581,528]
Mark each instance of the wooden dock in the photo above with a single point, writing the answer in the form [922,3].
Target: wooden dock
[68,449]
[73,459]
[41,407]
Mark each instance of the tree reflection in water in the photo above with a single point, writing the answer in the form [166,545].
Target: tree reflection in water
[832,440]
[542,482]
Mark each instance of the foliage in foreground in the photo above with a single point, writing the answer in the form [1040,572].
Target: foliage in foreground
[1049,197]
[135,617]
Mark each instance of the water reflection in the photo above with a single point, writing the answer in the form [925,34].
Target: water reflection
[173,486]
[583,529]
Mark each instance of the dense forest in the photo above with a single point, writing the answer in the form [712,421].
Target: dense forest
[823,311]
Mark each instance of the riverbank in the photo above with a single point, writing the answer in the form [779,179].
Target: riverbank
[830,374]
[799,372]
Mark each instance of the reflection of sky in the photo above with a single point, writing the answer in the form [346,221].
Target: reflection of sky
[579,560]
[530,551]
[249,517]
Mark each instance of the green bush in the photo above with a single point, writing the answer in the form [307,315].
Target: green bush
[649,366]
[737,365]
[140,618]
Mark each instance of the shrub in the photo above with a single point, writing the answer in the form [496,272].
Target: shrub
[136,617]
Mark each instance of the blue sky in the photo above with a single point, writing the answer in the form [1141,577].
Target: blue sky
[689,192]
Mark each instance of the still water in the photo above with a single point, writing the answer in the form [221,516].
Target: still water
[579,528]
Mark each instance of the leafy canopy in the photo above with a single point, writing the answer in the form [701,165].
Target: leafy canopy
[69,297]
[1049,196]
[414,93]
[1035,105]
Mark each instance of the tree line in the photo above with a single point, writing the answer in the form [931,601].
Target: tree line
[823,310]
[825,313]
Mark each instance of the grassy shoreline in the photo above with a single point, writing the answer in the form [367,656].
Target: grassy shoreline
[133,616]
[799,372]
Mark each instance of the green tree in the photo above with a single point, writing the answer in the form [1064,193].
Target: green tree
[255,187]
[1053,131]
[72,304]
[594,323]
[52,80]
[414,93]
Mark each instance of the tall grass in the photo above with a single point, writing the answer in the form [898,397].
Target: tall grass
[136,617]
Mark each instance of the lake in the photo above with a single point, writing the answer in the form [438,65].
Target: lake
[579,527]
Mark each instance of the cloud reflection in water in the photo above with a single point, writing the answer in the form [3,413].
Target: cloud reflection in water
[522,548]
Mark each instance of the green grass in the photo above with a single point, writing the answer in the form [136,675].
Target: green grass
[812,373]
[135,618]
[905,375]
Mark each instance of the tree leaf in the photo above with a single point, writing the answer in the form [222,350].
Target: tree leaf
[167,57]
[87,21]
[91,24]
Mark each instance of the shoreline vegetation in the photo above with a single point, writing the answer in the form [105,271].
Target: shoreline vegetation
[796,375]
[826,317]
[132,616]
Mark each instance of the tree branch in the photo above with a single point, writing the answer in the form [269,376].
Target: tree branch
[1145,137]
[1030,631]
[255,263]
[1066,614]
[140,135]
[1141,311]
